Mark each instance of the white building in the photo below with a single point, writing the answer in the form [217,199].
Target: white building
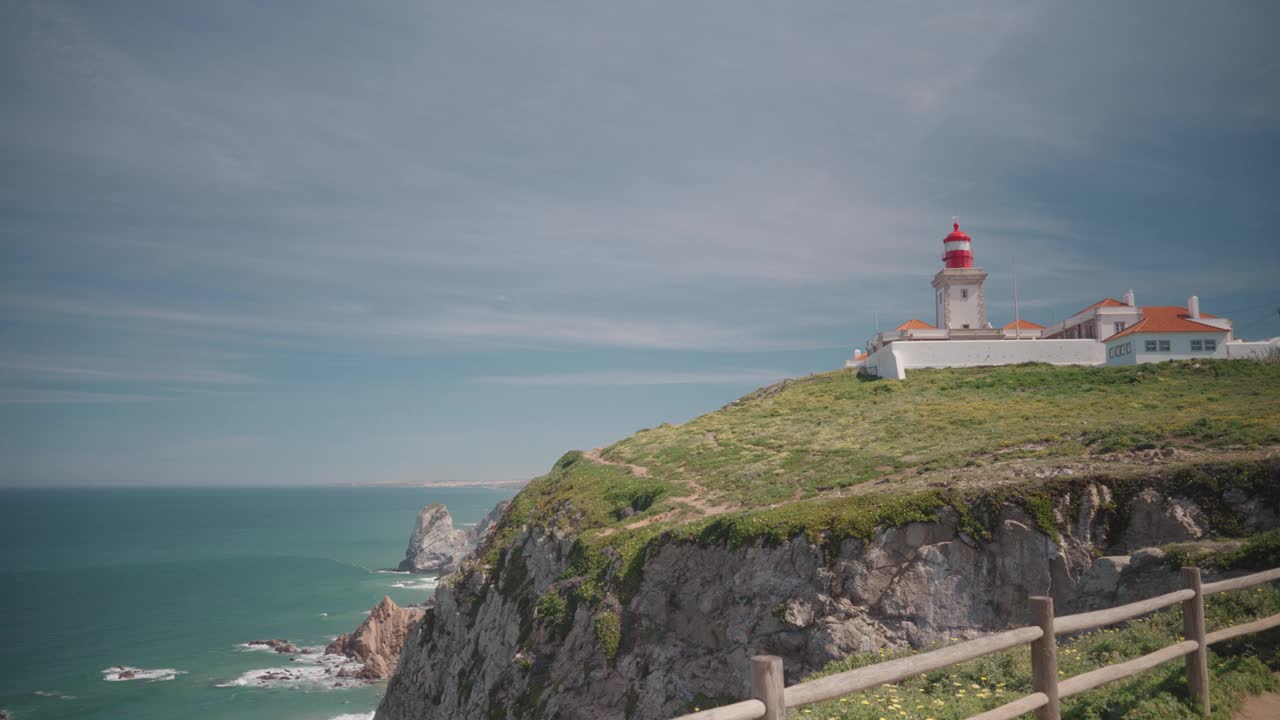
[1110,331]
[1099,321]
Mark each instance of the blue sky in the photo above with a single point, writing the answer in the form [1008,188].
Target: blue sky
[313,242]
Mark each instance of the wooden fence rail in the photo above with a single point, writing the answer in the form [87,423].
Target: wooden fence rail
[771,699]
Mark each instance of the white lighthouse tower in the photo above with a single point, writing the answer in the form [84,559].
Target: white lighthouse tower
[958,286]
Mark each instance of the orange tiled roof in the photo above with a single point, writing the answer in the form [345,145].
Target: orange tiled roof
[859,355]
[1023,325]
[914,324]
[1167,319]
[1105,302]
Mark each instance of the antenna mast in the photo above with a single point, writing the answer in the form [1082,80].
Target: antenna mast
[1017,319]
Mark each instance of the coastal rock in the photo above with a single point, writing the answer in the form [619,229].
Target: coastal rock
[378,640]
[435,545]
[280,646]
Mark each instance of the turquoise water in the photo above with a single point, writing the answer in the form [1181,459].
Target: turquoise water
[179,578]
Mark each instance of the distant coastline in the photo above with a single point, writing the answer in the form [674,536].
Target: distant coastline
[443,484]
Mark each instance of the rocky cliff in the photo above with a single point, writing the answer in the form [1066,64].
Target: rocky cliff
[479,532]
[833,514]
[531,635]
[434,546]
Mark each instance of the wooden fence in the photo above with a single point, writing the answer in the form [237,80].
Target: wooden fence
[770,699]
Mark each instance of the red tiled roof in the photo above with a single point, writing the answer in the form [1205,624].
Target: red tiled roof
[1023,325]
[1167,319]
[859,355]
[1105,302]
[914,324]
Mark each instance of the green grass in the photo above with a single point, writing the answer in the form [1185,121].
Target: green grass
[1259,552]
[835,430]
[831,431]
[1237,668]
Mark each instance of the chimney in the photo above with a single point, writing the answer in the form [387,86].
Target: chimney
[1193,307]
[1129,300]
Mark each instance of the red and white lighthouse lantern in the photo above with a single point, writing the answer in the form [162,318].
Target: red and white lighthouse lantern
[958,253]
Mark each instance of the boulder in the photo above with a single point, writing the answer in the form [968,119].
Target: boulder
[1157,520]
[435,545]
[280,646]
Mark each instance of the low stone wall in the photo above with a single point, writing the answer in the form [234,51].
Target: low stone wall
[895,359]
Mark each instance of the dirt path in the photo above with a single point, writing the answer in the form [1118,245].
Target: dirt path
[698,500]
[1260,707]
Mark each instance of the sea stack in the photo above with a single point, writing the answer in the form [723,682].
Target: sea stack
[435,546]
[378,640]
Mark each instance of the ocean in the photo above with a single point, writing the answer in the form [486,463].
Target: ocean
[176,581]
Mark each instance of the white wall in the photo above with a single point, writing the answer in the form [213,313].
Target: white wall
[1261,349]
[893,360]
[1023,334]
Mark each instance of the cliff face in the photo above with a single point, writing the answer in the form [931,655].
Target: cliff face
[532,636]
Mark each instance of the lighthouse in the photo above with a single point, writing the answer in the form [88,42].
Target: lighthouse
[957,248]
[958,287]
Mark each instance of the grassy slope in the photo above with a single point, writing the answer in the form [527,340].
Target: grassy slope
[835,430]
[836,448]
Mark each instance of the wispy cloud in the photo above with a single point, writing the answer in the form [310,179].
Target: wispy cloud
[97,369]
[622,378]
[36,396]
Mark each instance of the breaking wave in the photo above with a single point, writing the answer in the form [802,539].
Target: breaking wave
[313,671]
[426,583]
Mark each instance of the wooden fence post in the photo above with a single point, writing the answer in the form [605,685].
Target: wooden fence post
[1193,629]
[1044,658]
[767,686]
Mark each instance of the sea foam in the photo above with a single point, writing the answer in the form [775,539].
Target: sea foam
[310,671]
[427,583]
[121,673]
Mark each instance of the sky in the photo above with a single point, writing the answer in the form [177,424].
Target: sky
[329,242]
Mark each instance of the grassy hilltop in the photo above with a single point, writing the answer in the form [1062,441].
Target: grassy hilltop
[837,452]
[835,456]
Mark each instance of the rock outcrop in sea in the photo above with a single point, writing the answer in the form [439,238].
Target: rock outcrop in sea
[378,640]
[435,546]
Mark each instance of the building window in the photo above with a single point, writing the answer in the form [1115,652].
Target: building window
[1151,346]
[1196,346]
[1121,325]
[964,294]
[1164,346]
[966,326]
[939,297]
[1210,345]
